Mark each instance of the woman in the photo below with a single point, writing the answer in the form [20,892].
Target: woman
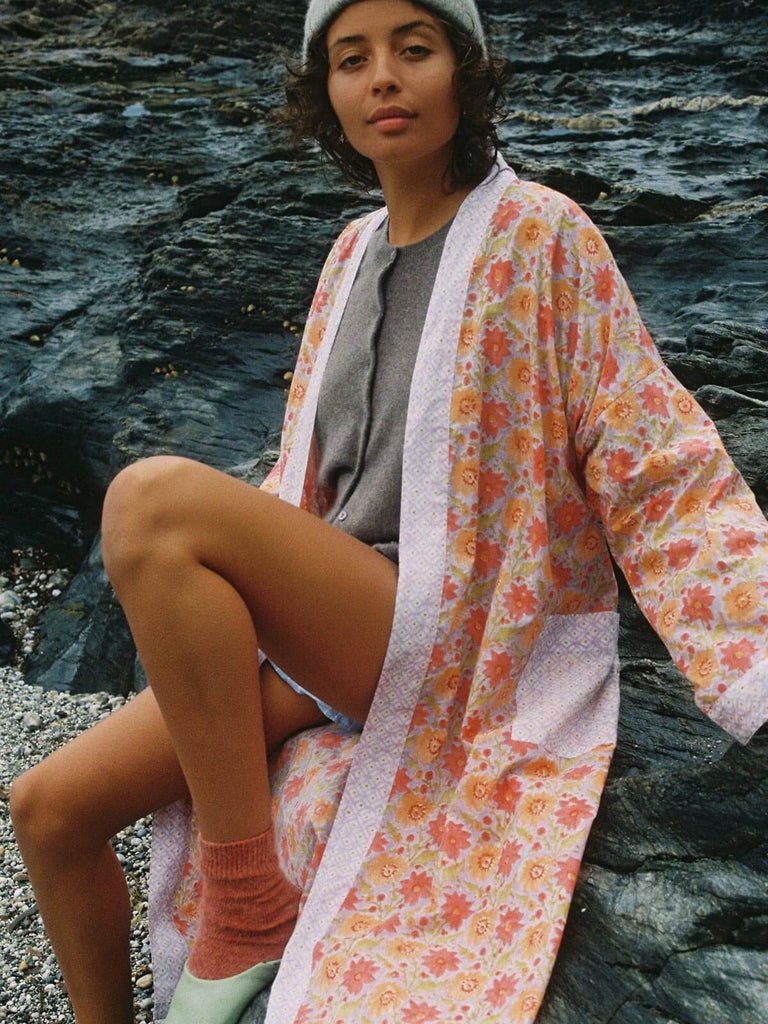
[485,627]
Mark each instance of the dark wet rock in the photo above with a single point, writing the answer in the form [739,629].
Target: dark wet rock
[159,243]
[7,644]
[84,645]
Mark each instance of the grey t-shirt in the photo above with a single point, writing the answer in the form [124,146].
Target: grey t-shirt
[363,400]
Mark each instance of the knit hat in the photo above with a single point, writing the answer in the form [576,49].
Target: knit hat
[463,13]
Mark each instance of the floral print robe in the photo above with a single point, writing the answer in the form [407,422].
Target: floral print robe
[439,851]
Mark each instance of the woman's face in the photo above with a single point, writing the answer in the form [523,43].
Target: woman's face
[390,82]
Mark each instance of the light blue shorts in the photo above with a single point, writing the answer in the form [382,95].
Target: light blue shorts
[335,716]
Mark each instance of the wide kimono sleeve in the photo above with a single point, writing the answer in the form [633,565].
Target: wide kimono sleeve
[679,518]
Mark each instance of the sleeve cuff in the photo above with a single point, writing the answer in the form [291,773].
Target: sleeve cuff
[743,708]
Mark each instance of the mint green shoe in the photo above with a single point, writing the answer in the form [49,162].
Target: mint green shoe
[218,1001]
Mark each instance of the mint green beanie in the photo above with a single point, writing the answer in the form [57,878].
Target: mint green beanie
[463,13]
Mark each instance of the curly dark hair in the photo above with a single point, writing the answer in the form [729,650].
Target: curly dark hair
[479,81]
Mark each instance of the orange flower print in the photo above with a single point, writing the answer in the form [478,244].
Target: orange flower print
[455,840]
[588,544]
[703,668]
[346,246]
[467,336]
[540,768]
[498,666]
[419,1013]
[535,873]
[405,950]
[554,429]
[483,861]
[519,376]
[464,476]
[668,616]
[654,400]
[534,940]
[740,542]
[412,810]
[658,466]
[686,407]
[605,285]
[440,961]
[621,465]
[531,233]
[658,505]
[692,504]
[447,682]
[517,511]
[464,547]
[500,991]
[481,927]
[477,790]
[491,487]
[564,302]
[360,972]
[653,564]
[506,795]
[495,417]
[623,412]
[358,924]
[604,341]
[742,602]
[385,998]
[591,245]
[298,390]
[466,985]
[510,855]
[506,212]
[520,445]
[386,868]
[416,887]
[500,276]
[567,872]
[329,974]
[510,923]
[429,744]
[570,515]
[535,808]
[489,558]
[572,811]
[738,655]
[526,1006]
[465,405]
[537,535]
[680,552]
[697,603]
[520,601]
[496,344]
[523,304]
[456,909]
[315,333]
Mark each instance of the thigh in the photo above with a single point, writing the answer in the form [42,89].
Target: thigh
[125,767]
[321,601]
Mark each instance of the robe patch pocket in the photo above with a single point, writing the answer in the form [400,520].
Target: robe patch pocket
[568,695]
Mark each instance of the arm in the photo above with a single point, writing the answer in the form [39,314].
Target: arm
[679,518]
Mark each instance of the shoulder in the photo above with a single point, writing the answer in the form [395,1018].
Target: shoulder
[530,219]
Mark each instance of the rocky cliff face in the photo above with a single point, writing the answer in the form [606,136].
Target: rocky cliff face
[159,244]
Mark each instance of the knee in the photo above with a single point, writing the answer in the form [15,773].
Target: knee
[143,507]
[42,821]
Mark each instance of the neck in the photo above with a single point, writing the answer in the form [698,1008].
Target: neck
[417,201]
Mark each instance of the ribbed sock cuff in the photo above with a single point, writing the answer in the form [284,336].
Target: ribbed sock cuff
[246,858]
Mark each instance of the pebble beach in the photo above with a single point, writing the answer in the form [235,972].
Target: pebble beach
[34,722]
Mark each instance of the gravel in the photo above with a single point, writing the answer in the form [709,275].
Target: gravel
[34,722]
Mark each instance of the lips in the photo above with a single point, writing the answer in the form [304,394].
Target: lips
[390,113]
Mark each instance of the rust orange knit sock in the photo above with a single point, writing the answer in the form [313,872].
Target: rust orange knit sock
[248,907]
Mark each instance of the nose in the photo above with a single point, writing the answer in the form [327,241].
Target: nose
[384,77]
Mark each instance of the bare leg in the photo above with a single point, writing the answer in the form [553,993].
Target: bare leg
[64,812]
[206,568]
[192,553]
